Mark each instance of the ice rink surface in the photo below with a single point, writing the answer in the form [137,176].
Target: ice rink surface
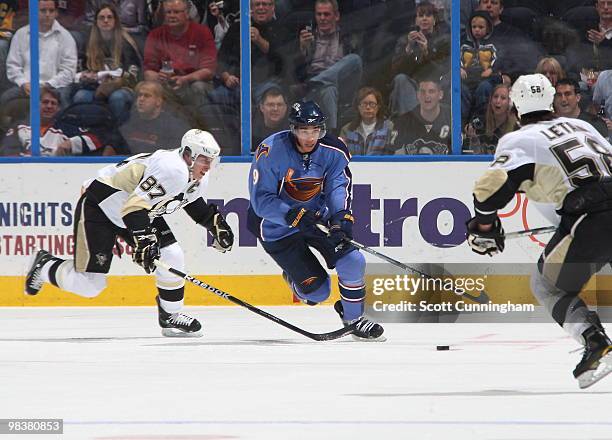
[110,375]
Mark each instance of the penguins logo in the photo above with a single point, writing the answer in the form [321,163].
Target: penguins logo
[302,189]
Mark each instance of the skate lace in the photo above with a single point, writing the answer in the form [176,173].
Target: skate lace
[37,281]
[365,325]
[180,319]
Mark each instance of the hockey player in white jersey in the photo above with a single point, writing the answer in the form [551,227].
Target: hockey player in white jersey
[128,199]
[567,165]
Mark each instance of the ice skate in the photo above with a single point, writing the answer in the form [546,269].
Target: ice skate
[366,330]
[295,294]
[596,361]
[178,325]
[34,281]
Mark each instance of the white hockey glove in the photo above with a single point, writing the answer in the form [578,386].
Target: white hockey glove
[221,232]
[486,243]
[146,249]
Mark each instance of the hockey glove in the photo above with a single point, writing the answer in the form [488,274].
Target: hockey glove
[486,243]
[302,218]
[146,249]
[341,229]
[223,237]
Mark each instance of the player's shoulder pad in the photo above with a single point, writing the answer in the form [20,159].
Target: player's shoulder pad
[335,144]
[273,143]
[168,167]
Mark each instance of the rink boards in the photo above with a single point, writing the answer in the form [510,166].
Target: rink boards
[412,211]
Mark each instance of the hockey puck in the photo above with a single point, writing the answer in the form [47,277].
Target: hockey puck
[442,347]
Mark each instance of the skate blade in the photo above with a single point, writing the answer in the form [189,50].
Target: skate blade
[381,338]
[590,377]
[175,333]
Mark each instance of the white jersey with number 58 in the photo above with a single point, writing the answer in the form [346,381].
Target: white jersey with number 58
[158,182]
[548,159]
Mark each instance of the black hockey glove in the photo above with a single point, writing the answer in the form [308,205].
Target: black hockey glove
[223,237]
[341,228]
[302,218]
[146,249]
[486,243]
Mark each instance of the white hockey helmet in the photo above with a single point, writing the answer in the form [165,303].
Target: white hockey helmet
[199,142]
[532,93]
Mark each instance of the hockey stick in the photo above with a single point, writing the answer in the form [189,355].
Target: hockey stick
[314,336]
[534,231]
[483,298]
[523,233]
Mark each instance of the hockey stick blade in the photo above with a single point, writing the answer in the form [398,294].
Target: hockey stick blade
[336,334]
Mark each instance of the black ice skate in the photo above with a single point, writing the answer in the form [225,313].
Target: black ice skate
[596,361]
[366,330]
[178,324]
[34,281]
[290,284]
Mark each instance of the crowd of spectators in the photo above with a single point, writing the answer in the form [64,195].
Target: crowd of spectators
[380,70]
[569,41]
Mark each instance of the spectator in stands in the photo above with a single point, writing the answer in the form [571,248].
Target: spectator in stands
[271,117]
[57,138]
[150,127]
[57,59]
[266,62]
[327,64]
[495,8]
[426,129]
[602,96]
[370,133]
[551,68]
[483,136]
[19,138]
[567,98]
[132,13]
[8,9]
[595,50]
[113,65]
[423,52]
[181,54]
[221,26]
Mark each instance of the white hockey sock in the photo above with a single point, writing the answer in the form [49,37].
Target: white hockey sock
[171,306]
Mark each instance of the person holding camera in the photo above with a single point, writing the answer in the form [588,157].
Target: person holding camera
[424,51]
[483,135]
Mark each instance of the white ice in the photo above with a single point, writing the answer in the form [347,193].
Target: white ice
[110,375]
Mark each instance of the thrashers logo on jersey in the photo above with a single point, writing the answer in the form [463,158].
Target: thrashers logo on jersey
[263,150]
[302,189]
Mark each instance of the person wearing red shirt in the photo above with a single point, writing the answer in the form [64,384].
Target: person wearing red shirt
[181,54]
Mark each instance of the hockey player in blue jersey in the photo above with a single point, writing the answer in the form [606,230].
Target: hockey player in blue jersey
[300,177]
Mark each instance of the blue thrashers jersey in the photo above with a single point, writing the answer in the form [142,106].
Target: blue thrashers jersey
[282,178]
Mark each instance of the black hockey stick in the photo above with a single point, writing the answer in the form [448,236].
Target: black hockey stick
[314,336]
[483,298]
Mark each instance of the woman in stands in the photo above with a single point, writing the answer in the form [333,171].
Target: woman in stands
[370,131]
[113,65]
[551,68]
[500,119]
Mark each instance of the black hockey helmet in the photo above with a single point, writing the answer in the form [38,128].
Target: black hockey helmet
[307,114]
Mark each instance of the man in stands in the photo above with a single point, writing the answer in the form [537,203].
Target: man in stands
[272,116]
[150,127]
[567,98]
[426,129]
[181,54]
[58,56]
[327,62]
